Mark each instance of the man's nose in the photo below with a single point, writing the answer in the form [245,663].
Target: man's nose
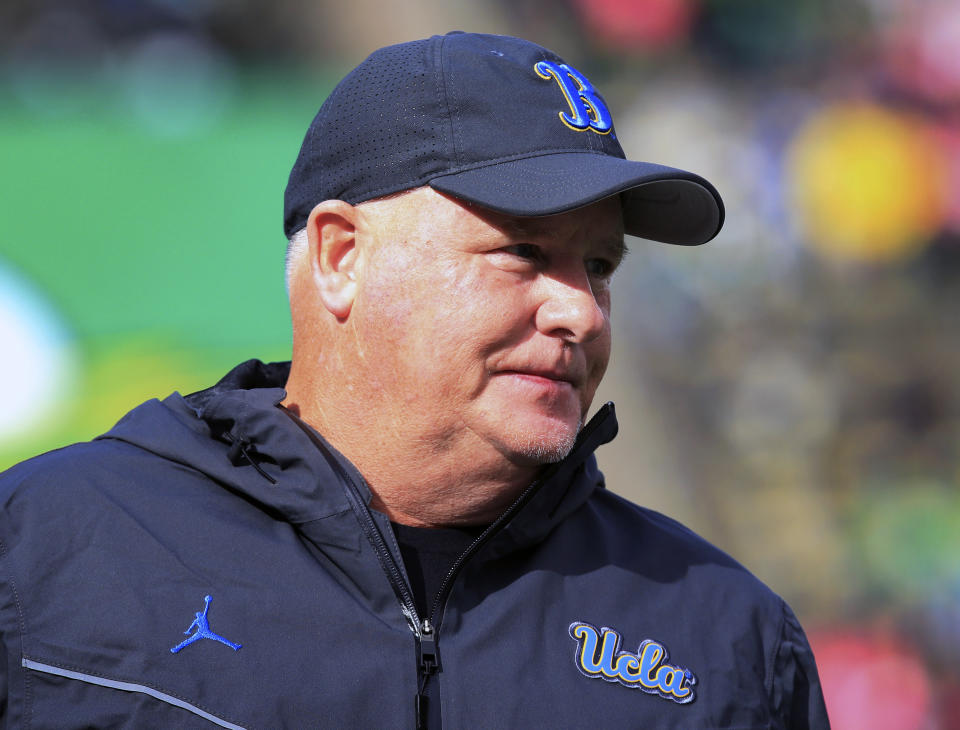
[570,309]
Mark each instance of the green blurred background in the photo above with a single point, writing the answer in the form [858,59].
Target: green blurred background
[789,390]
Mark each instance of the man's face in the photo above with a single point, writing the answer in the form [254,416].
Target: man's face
[482,332]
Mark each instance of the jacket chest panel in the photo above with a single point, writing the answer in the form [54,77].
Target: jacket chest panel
[529,667]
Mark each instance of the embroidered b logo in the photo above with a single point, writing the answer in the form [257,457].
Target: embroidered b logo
[587,110]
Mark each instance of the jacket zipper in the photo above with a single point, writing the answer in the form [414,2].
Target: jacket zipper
[427,666]
[431,625]
[427,660]
[424,631]
[441,598]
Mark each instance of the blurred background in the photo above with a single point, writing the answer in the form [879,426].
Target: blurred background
[790,390]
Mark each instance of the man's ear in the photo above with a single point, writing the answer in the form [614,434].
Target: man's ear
[332,235]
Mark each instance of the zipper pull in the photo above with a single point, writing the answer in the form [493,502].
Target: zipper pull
[428,649]
[420,708]
[427,665]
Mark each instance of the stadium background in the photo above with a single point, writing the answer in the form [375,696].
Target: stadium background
[790,390]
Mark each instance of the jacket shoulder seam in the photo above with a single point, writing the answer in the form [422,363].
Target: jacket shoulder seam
[772,661]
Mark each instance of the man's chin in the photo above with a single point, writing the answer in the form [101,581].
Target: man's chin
[530,447]
[531,432]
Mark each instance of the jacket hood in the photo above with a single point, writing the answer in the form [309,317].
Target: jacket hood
[237,433]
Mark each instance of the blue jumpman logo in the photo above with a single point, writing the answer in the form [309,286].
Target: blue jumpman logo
[203,630]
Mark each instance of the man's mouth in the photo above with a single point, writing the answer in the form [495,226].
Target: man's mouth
[546,374]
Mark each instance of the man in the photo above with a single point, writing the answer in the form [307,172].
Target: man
[406,526]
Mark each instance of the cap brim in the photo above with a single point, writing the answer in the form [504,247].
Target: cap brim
[659,203]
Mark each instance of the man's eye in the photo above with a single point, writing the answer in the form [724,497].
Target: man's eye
[599,267]
[524,250]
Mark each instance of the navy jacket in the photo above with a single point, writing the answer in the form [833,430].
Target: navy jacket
[210,561]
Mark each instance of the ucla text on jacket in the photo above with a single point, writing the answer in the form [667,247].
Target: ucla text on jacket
[599,655]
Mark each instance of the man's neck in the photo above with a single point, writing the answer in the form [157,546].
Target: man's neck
[416,481]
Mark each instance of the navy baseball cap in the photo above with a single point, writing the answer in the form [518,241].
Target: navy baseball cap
[493,120]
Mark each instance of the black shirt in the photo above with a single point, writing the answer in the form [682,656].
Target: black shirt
[428,554]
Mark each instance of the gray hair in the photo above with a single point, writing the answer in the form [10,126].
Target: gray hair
[297,244]
[297,247]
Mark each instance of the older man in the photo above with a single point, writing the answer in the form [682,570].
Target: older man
[406,526]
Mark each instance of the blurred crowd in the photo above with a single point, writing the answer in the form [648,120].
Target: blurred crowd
[790,390]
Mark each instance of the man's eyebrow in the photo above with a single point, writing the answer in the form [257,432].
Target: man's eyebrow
[617,248]
[616,243]
[520,227]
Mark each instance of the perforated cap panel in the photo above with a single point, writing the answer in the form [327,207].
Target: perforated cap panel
[495,120]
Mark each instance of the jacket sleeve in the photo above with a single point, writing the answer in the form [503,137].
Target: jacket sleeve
[6,655]
[796,696]
[3,681]
[3,684]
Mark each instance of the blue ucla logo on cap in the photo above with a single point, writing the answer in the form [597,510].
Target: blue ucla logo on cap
[587,109]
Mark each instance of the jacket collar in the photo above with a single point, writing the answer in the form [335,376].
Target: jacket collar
[201,431]
[237,433]
[562,487]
